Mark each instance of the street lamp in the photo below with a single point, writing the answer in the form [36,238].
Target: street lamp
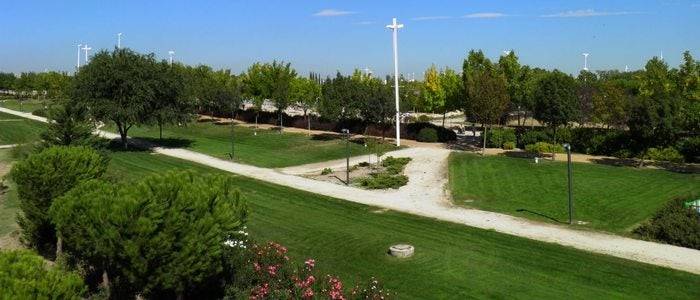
[571,195]
[395,29]
[347,155]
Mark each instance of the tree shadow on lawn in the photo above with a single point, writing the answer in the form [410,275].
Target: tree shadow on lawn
[326,137]
[523,210]
[168,142]
[146,144]
[629,162]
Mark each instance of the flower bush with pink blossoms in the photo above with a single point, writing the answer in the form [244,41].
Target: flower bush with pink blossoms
[266,272]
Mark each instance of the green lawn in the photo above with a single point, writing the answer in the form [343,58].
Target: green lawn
[609,198]
[17,130]
[29,105]
[452,261]
[266,149]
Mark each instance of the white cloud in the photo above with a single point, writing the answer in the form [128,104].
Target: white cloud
[333,13]
[584,13]
[485,15]
[429,18]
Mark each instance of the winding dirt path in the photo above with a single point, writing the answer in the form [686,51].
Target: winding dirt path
[425,196]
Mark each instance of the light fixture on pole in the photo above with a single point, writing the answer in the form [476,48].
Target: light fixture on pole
[119,40]
[395,29]
[86,49]
[585,61]
[171,53]
[78,65]
[571,194]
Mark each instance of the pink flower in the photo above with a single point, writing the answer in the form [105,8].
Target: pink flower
[310,263]
[272,270]
[256,266]
[308,293]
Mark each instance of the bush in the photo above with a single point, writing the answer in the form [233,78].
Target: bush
[532,137]
[267,272]
[70,126]
[40,112]
[508,145]
[326,171]
[382,181]
[45,176]
[427,135]
[664,154]
[543,148]
[395,165]
[165,235]
[674,224]
[563,135]
[25,275]
[600,141]
[496,137]
[443,134]
[690,149]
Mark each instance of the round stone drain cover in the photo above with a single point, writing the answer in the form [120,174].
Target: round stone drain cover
[401,250]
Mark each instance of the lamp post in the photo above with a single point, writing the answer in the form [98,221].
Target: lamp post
[119,40]
[347,156]
[571,195]
[395,29]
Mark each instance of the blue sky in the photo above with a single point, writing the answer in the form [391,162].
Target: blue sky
[325,36]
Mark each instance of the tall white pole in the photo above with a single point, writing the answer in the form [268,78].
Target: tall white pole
[119,40]
[79,45]
[395,29]
[171,52]
[86,48]
[585,61]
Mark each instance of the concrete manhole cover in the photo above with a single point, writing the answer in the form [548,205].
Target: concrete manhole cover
[401,250]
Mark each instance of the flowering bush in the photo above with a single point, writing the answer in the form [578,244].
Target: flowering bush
[268,273]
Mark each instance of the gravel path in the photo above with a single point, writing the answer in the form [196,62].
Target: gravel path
[425,196]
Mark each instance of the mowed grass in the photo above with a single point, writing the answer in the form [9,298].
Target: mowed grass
[268,148]
[451,261]
[28,105]
[609,198]
[17,130]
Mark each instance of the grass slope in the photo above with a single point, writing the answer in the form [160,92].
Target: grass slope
[452,261]
[609,198]
[266,149]
[17,130]
[29,105]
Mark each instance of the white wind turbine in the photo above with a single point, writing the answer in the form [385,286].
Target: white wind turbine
[78,65]
[86,49]
[119,40]
[171,53]
[395,29]
[585,61]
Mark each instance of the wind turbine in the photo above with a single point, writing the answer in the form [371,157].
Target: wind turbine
[86,48]
[395,29]
[368,71]
[171,53]
[585,61]
[119,40]
[506,52]
[627,68]
[662,54]
[78,65]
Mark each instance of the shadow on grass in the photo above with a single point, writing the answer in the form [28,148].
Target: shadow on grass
[523,210]
[326,137]
[168,142]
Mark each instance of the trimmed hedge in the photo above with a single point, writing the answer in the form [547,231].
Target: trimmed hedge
[427,135]
[543,148]
[443,134]
[497,137]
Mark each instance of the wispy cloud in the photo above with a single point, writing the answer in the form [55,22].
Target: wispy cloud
[584,13]
[333,13]
[485,15]
[366,23]
[430,18]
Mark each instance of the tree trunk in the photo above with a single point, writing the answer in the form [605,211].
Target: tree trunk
[444,115]
[281,125]
[59,247]
[308,124]
[105,281]
[123,136]
[483,138]
[255,132]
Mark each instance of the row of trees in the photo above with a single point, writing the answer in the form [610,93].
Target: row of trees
[45,85]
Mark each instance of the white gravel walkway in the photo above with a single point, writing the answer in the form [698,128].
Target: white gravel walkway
[425,196]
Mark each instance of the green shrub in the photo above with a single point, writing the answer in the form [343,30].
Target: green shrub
[544,148]
[674,224]
[45,176]
[496,137]
[508,145]
[665,154]
[395,165]
[427,135]
[326,171]
[444,134]
[41,112]
[164,235]
[70,126]
[532,137]
[690,149]
[25,275]
[383,181]
[423,118]
[563,135]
